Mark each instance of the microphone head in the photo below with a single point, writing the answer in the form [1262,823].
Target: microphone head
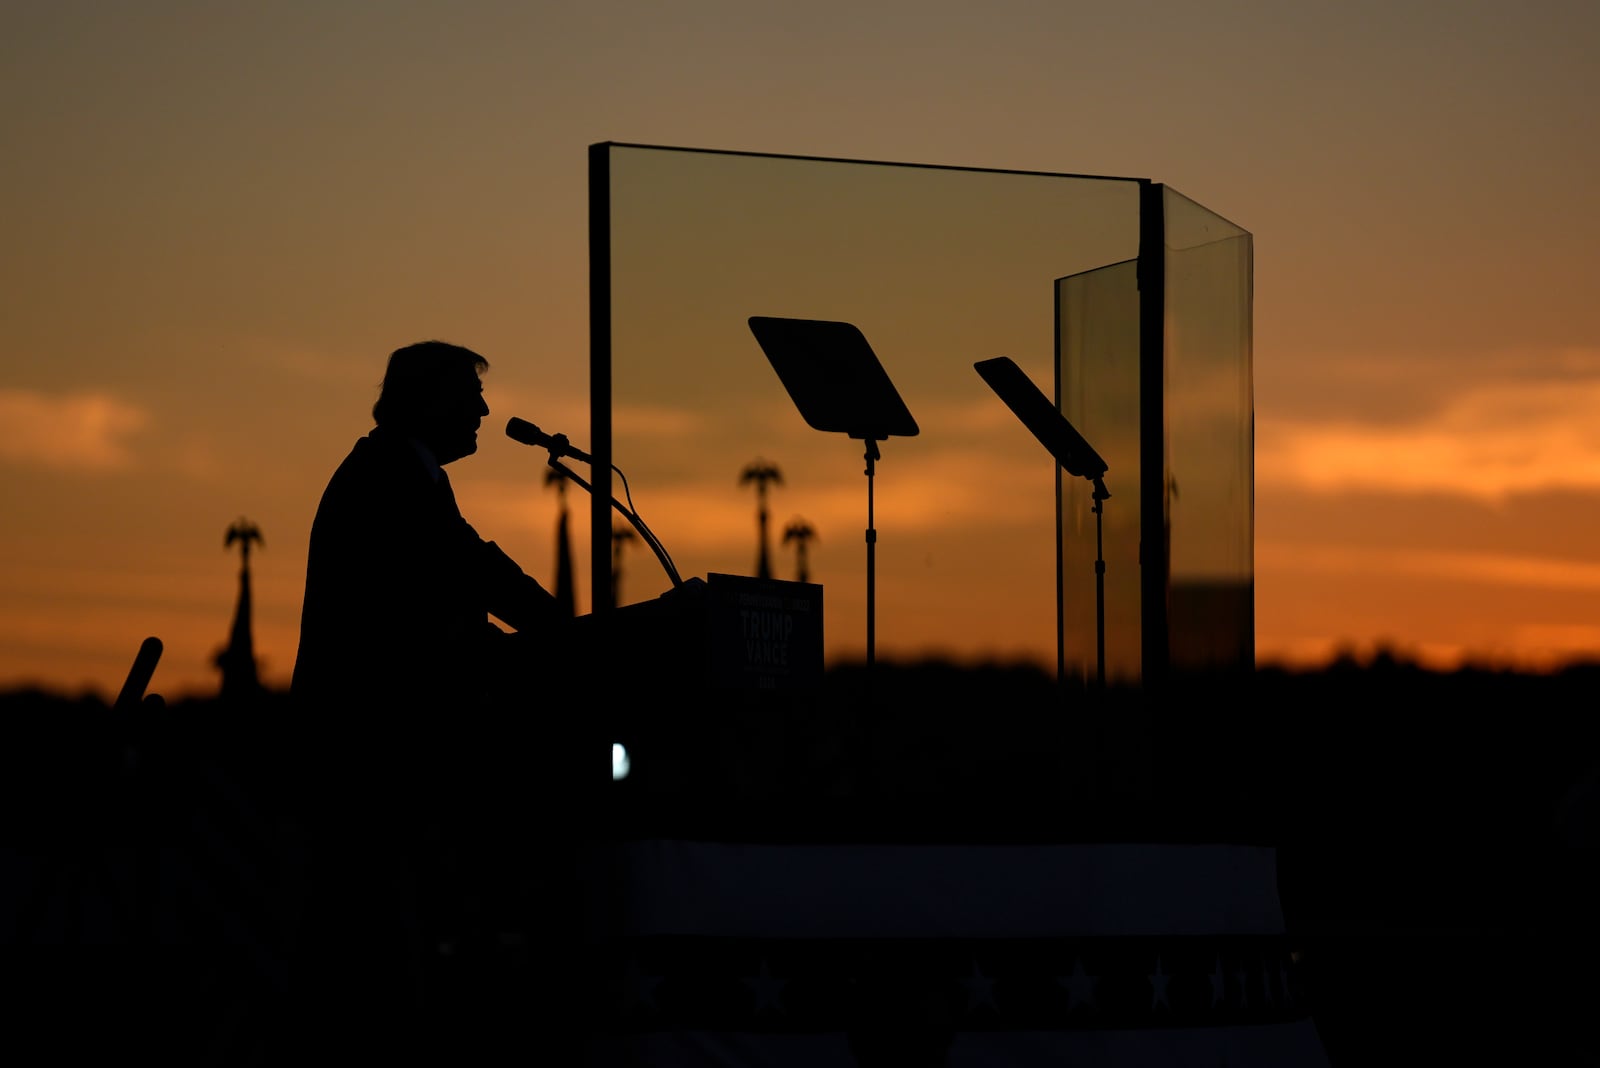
[521,430]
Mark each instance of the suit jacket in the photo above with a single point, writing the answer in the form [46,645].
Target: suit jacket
[399,588]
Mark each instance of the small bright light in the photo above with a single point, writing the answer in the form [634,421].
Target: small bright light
[619,761]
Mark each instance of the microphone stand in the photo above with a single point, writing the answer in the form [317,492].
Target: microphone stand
[632,518]
[1077,457]
[1100,494]
[872,456]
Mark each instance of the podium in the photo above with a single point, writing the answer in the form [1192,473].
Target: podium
[734,634]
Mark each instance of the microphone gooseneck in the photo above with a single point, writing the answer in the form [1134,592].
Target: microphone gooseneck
[526,433]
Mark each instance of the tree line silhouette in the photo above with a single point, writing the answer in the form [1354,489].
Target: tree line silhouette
[1436,831]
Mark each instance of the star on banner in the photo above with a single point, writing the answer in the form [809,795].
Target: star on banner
[980,989]
[768,989]
[1158,987]
[1079,986]
[638,989]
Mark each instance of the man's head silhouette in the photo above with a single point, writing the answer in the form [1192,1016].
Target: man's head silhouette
[432,391]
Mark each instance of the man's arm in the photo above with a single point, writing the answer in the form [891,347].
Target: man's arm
[513,595]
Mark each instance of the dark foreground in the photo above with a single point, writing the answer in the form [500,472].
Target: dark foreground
[1436,838]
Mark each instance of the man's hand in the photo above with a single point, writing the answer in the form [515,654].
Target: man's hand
[689,587]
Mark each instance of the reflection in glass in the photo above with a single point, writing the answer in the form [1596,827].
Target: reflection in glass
[1097,389]
[1209,412]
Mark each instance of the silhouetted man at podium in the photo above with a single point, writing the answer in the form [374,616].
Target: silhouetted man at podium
[397,684]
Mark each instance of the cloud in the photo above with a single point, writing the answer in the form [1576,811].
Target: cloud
[647,420]
[68,432]
[1487,442]
[1566,641]
[1499,569]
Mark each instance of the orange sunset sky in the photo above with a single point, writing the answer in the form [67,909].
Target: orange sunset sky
[220,218]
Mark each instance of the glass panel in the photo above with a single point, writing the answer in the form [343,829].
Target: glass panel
[1097,389]
[1210,417]
[939,268]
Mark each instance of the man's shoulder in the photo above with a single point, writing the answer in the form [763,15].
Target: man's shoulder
[377,466]
[381,452]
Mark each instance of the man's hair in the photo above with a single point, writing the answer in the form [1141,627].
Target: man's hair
[415,374]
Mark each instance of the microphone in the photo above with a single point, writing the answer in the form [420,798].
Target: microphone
[520,430]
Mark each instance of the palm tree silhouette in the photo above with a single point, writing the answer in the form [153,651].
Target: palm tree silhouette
[802,534]
[761,472]
[244,532]
[620,536]
[237,659]
[566,589]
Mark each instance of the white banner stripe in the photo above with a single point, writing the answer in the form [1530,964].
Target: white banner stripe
[677,887]
[1286,1045]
